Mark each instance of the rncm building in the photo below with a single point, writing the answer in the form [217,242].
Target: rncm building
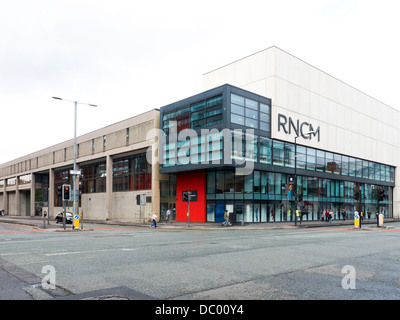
[269,133]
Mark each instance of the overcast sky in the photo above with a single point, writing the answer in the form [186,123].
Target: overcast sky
[131,56]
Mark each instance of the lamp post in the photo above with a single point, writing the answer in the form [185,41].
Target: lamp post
[75,201]
[295,173]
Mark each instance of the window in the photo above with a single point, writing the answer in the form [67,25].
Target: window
[329,163]
[359,166]
[337,160]
[131,173]
[301,157]
[250,113]
[93,178]
[265,150]
[211,182]
[289,155]
[278,153]
[352,167]
[365,169]
[345,165]
[311,159]
[320,161]
[265,117]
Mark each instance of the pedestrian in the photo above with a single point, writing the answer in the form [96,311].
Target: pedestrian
[344,214]
[168,216]
[226,217]
[298,219]
[330,216]
[369,214]
[326,215]
[154,221]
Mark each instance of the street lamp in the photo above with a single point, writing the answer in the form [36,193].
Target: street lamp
[74,173]
[295,173]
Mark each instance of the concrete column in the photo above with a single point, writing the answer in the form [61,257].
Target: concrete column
[5,204]
[109,187]
[33,193]
[51,193]
[155,186]
[17,198]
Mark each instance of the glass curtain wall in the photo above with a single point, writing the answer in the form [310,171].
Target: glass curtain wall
[266,197]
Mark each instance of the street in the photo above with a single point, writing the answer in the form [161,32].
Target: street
[128,262]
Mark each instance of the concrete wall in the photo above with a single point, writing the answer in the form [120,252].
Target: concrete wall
[91,148]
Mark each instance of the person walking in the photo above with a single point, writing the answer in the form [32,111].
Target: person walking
[344,214]
[154,221]
[226,217]
[168,216]
[298,219]
[330,216]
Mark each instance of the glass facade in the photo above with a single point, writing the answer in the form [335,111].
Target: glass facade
[250,113]
[325,180]
[264,197]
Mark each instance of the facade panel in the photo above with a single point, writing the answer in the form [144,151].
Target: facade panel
[351,123]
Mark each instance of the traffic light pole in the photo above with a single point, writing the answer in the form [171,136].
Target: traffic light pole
[295,181]
[188,194]
[74,176]
[64,213]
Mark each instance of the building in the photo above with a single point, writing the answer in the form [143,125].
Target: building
[348,162]
[32,184]
[268,134]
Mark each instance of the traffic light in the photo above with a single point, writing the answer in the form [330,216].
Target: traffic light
[381,194]
[184,196]
[66,192]
[59,191]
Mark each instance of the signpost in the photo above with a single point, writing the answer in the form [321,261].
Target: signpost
[76,221]
[357,222]
[141,201]
[188,196]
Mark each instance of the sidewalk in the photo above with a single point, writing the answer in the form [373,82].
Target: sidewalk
[37,222]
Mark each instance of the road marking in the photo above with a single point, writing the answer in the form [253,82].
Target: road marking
[14,253]
[88,251]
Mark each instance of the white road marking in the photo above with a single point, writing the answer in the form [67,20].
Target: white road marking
[88,251]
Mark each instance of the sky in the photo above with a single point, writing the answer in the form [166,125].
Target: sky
[129,56]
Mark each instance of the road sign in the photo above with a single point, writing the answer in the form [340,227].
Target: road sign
[75,172]
[76,221]
[356,220]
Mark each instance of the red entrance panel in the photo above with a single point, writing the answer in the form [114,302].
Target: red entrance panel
[195,181]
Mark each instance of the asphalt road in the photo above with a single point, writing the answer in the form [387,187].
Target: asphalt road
[117,262]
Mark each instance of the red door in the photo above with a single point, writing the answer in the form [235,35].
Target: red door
[193,181]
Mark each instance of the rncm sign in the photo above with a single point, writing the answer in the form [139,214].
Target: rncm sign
[288,124]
